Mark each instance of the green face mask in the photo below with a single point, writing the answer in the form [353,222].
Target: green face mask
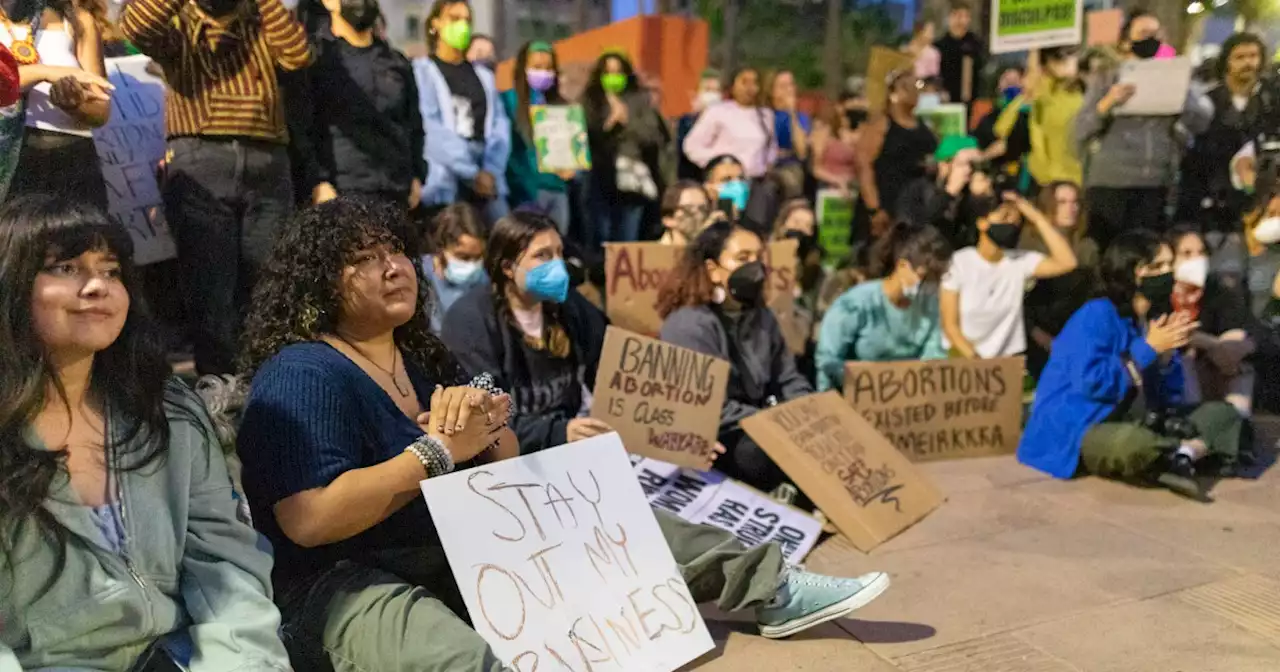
[614,82]
[457,35]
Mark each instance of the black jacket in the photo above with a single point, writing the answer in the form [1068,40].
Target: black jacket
[483,342]
[762,364]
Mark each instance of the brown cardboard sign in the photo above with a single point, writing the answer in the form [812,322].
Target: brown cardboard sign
[884,61]
[664,400]
[942,409]
[865,487]
[634,273]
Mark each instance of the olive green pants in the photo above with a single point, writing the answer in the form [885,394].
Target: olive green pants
[402,612]
[1127,450]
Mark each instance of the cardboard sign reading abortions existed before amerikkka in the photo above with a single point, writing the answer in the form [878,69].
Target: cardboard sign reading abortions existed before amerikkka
[865,487]
[562,565]
[942,409]
[662,399]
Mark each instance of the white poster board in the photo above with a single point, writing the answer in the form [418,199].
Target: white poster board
[1160,86]
[711,498]
[558,556]
[130,147]
[1019,25]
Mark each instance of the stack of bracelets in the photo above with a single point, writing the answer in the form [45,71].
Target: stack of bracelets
[431,452]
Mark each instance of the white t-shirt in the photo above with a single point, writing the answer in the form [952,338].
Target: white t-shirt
[56,47]
[991,299]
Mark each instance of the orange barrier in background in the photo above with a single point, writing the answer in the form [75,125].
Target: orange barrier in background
[671,48]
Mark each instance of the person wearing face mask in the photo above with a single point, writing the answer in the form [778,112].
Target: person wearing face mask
[629,143]
[228,181]
[983,291]
[366,129]
[942,199]
[686,210]
[725,180]
[895,150]
[456,263]
[707,95]
[1131,159]
[714,303]
[1052,96]
[892,318]
[739,127]
[468,132]
[1110,400]
[539,86]
[1006,150]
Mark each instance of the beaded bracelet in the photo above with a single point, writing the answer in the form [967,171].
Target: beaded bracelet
[435,458]
[486,383]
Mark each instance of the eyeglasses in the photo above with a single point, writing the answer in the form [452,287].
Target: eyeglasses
[698,211]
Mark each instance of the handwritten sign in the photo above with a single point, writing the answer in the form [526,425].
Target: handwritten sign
[711,498]
[130,147]
[635,273]
[664,400]
[1018,25]
[865,487]
[944,409]
[562,565]
[560,137]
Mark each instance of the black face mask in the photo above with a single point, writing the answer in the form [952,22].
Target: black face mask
[746,285]
[218,8]
[1005,236]
[1145,48]
[360,14]
[807,243]
[1158,291]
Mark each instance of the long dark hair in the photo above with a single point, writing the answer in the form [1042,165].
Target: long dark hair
[593,98]
[510,238]
[919,244]
[765,95]
[130,375]
[437,8]
[689,284]
[1119,266]
[521,85]
[299,296]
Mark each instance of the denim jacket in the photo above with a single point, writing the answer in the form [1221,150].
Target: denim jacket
[450,158]
[190,568]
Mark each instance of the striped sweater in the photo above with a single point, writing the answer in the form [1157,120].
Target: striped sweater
[221,75]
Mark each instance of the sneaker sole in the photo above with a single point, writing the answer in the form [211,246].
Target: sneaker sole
[844,607]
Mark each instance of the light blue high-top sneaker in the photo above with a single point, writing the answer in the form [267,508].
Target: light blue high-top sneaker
[806,599]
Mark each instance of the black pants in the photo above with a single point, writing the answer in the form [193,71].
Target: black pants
[1113,211]
[224,200]
[60,164]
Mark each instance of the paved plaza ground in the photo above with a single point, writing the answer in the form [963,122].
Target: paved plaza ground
[1017,572]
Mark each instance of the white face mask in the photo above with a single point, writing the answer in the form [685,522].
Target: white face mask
[1194,272]
[708,98]
[928,101]
[1268,231]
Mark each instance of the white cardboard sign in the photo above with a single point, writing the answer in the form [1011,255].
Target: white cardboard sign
[561,562]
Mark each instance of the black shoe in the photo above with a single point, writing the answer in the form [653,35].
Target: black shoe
[1182,467]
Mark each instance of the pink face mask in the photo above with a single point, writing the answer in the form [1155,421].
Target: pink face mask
[1166,52]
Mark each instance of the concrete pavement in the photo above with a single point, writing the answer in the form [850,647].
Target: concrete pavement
[1017,572]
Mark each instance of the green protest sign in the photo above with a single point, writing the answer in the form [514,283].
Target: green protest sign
[1019,25]
[944,120]
[560,137]
[835,221]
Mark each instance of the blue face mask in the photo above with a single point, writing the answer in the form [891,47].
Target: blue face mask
[462,273]
[1008,94]
[548,281]
[736,191]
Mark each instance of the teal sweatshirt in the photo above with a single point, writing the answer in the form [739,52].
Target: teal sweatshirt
[523,178]
[862,325]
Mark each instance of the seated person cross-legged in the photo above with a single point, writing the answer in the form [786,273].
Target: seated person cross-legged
[714,303]
[542,341]
[890,319]
[120,547]
[1109,400]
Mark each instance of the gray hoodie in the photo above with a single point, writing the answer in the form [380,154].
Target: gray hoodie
[1131,152]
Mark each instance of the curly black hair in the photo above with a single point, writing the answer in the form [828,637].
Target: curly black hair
[298,297]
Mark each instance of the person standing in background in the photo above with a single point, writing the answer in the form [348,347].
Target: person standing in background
[791,127]
[1053,94]
[59,53]
[707,95]
[536,82]
[228,181]
[928,58]
[895,149]
[738,127]
[468,133]
[366,130]
[482,52]
[963,55]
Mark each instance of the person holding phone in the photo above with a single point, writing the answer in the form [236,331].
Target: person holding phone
[1110,400]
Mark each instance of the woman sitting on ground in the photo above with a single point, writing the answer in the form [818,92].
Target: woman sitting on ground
[119,540]
[1109,401]
[714,303]
[893,318]
[685,211]
[457,263]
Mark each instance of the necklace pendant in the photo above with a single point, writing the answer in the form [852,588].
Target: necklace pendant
[395,380]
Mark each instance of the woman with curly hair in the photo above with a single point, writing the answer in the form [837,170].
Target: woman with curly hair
[120,548]
[714,303]
[353,403]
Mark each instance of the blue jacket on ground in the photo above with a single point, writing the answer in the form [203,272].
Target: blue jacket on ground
[1085,380]
[450,158]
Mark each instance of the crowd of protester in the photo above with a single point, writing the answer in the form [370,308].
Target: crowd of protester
[369,252]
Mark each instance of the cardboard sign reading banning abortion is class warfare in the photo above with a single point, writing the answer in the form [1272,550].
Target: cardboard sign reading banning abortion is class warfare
[943,409]
[562,565]
[664,400]
[865,487]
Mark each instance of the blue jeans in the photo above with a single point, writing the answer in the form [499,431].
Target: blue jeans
[617,222]
[556,205]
